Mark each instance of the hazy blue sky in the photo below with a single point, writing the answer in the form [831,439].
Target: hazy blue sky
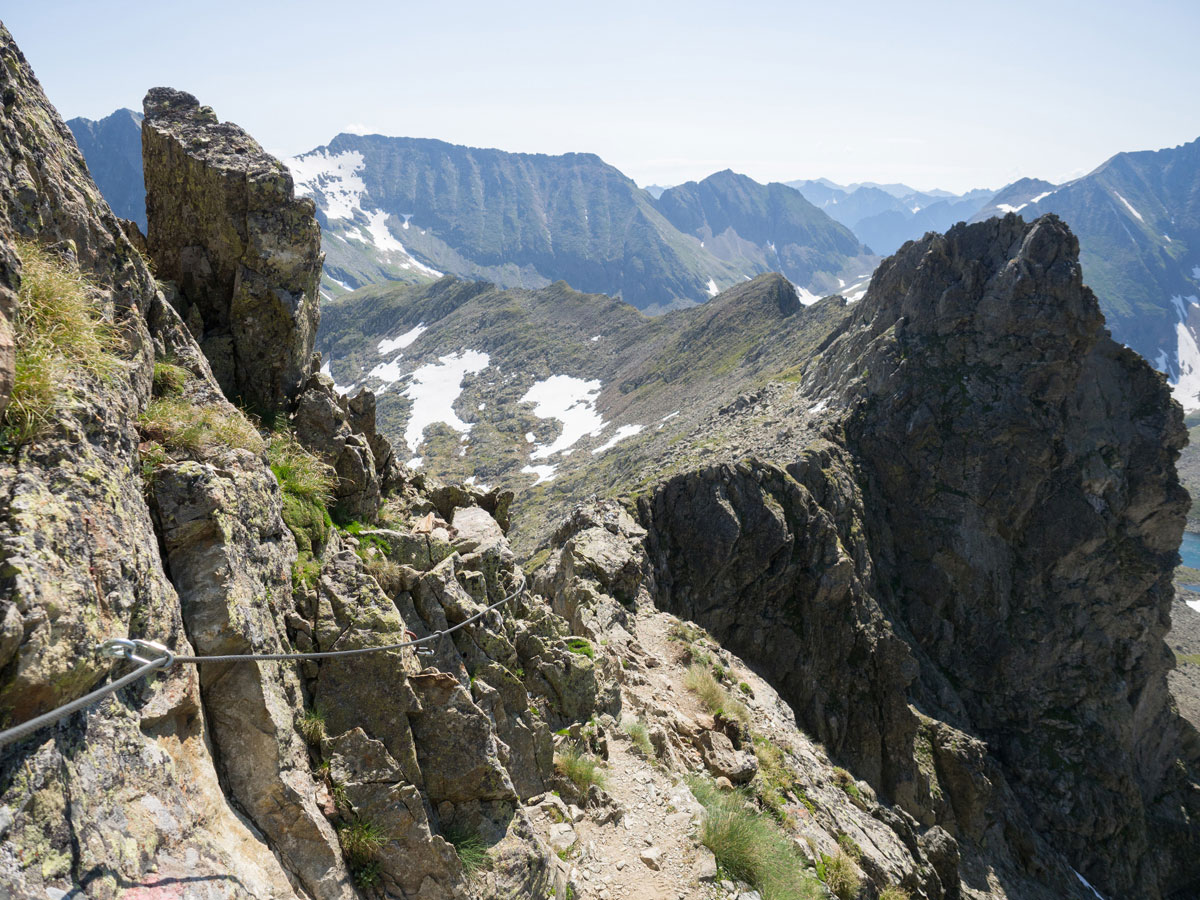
[937,94]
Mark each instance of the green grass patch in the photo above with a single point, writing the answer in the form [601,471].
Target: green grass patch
[1191,659]
[60,334]
[846,782]
[470,847]
[299,472]
[636,729]
[169,379]
[582,769]
[197,429]
[361,841]
[840,875]
[582,646]
[312,726]
[894,892]
[699,679]
[749,846]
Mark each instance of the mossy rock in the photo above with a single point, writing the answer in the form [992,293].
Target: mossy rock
[308,521]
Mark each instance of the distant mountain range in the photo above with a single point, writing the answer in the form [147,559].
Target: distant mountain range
[112,147]
[884,216]
[410,210]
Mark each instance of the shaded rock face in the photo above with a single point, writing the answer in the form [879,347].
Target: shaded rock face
[225,226]
[1024,516]
[988,534]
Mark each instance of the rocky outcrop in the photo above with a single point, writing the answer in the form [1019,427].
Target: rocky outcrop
[81,563]
[986,535]
[361,459]
[1034,573]
[225,226]
[244,257]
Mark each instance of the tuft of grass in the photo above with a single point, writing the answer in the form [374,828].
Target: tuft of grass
[850,845]
[361,841]
[700,680]
[582,646]
[581,768]
[685,633]
[305,571]
[60,334]
[299,472]
[894,892]
[773,778]
[472,851]
[169,379]
[636,729]
[312,726]
[841,875]
[846,782]
[179,424]
[749,846]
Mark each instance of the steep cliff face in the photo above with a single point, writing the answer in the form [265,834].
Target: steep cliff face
[981,542]
[1024,514]
[224,225]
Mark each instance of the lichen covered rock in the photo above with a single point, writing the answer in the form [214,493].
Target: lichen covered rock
[224,225]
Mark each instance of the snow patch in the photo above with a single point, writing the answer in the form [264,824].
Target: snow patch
[384,240]
[712,288]
[335,178]
[1194,604]
[595,337]
[402,342]
[572,401]
[327,370]
[1186,387]
[669,416]
[1129,206]
[543,473]
[434,388]
[388,372]
[819,407]
[1040,197]
[340,284]
[625,431]
[1009,208]
[807,297]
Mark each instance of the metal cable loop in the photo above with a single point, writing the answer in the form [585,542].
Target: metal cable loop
[132,649]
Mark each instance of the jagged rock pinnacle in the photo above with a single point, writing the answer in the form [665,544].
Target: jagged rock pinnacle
[225,226]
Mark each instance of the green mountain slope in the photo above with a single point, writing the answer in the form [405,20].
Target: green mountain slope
[557,392]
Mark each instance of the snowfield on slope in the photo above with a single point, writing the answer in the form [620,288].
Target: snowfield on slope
[434,388]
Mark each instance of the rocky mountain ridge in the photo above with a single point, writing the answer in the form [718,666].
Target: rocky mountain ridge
[149,506]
